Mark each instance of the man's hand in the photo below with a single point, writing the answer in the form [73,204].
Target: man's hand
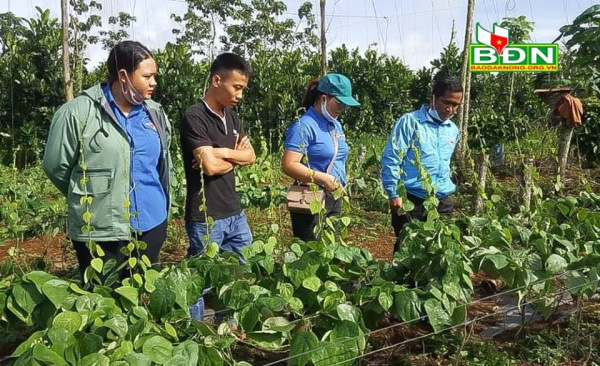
[243,144]
[211,163]
[395,204]
[243,154]
[218,153]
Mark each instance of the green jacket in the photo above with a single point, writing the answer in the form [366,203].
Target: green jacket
[86,138]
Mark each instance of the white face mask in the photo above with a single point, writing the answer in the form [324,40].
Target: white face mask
[325,112]
[131,94]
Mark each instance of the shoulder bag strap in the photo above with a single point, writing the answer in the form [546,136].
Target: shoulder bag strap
[333,134]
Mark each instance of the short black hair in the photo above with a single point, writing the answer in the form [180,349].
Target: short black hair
[446,84]
[126,55]
[227,62]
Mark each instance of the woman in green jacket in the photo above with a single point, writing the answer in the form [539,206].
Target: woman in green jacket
[108,153]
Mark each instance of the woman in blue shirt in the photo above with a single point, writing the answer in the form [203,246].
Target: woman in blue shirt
[319,135]
[108,153]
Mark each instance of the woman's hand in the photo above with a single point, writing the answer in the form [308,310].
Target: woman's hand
[395,204]
[330,183]
[292,166]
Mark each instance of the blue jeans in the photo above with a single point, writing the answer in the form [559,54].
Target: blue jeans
[231,234]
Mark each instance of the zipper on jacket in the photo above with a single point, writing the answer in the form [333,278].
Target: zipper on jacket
[439,154]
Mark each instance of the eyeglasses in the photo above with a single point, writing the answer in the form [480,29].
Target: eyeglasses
[339,104]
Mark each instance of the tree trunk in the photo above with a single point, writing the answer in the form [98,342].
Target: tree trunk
[323,40]
[526,185]
[464,133]
[211,51]
[67,81]
[77,64]
[463,120]
[510,92]
[483,172]
[564,145]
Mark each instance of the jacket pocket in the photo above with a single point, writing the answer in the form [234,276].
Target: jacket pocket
[97,187]
[448,145]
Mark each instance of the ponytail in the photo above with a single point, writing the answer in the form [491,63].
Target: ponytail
[312,94]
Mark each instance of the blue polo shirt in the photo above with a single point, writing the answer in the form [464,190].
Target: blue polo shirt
[147,196]
[312,135]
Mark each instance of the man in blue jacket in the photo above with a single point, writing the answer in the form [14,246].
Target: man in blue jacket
[431,131]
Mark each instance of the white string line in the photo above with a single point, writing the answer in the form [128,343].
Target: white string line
[133,22]
[405,323]
[307,317]
[486,13]
[578,338]
[425,12]
[417,319]
[458,325]
[451,12]
[400,29]
[332,14]
[437,23]
[496,11]
[379,31]
[318,313]
[533,20]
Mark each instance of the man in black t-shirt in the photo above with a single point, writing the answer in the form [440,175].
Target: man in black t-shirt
[213,143]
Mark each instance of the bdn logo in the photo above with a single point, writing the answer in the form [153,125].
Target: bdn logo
[495,53]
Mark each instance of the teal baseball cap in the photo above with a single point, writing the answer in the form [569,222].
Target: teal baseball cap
[339,86]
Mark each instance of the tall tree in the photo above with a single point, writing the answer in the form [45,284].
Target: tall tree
[84,18]
[463,121]
[520,29]
[323,40]
[584,50]
[31,82]
[583,43]
[198,26]
[449,62]
[67,80]
[247,27]
[111,37]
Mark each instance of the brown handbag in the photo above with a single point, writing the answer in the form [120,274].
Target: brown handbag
[300,196]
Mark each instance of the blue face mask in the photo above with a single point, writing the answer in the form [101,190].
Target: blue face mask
[434,113]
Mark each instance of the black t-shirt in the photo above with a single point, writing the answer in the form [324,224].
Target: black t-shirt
[203,127]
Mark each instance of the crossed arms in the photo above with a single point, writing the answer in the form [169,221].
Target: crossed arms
[220,160]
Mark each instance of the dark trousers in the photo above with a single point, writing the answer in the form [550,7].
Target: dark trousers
[445,207]
[154,239]
[303,225]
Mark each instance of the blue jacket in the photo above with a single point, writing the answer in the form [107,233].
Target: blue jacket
[436,140]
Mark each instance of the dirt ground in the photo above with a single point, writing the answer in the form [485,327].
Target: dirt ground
[55,254]
[52,254]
